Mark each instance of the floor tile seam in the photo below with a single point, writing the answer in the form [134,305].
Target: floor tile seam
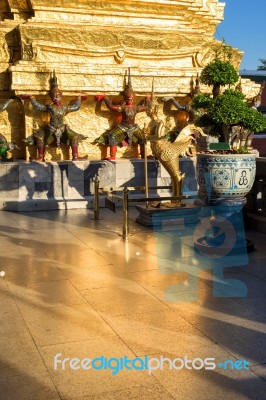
[47,306]
[89,339]
[75,236]
[113,286]
[67,277]
[146,251]
[106,269]
[19,311]
[119,228]
[23,283]
[89,248]
[263,279]
[34,343]
[256,364]
[260,364]
[195,326]
[12,233]
[90,231]
[37,376]
[230,322]
[114,229]
[133,313]
[9,376]
[135,283]
[248,274]
[259,296]
[247,306]
[118,234]
[217,343]
[159,330]
[50,281]
[49,373]
[257,313]
[37,348]
[136,355]
[119,286]
[166,303]
[20,282]
[145,313]
[118,336]
[22,374]
[175,273]
[99,313]
[259,376]
[157,382]
[225,352]
[62,264]
[13,215]
[23,254]
[230,319]
[140,270]
[142,246]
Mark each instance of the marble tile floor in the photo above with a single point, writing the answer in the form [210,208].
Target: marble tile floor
[73,287]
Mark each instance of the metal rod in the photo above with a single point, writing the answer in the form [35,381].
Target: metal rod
[96,199]
[160,199]
[146,170]
[125,232]
[142,199]
[120,189]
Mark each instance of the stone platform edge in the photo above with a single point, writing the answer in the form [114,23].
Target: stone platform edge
[29,186]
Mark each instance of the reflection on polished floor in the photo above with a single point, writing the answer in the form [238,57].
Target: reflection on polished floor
[74,288]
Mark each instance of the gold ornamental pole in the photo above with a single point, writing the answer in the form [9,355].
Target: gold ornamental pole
[146,170]
[96,199]
[125,232]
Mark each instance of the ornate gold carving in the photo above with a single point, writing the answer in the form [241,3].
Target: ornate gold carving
[119,56]
[18,4]
[11,126]
[70,43]
[90,44]
[4,54]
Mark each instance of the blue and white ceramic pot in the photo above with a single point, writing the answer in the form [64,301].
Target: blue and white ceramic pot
[225,177]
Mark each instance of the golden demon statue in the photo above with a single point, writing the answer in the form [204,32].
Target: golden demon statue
[127,132]
[56,131]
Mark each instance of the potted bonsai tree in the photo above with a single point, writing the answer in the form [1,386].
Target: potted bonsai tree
[230,117]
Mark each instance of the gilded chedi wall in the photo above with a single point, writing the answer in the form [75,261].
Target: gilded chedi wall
[90,45]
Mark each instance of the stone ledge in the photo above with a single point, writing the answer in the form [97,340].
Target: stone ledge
[26,186]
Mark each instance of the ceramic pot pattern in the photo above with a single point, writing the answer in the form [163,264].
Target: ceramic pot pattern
[225,176]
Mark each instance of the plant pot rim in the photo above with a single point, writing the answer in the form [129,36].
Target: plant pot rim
[232,155]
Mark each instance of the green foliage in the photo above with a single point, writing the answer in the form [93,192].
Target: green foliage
[242,150]
[253,120]
[228,108]
[220,112]
[219,72]
[201,101]
[263,66]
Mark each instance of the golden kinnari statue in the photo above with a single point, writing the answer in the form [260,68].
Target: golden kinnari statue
[168,154]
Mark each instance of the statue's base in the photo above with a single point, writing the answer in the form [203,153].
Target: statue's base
[174,218]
